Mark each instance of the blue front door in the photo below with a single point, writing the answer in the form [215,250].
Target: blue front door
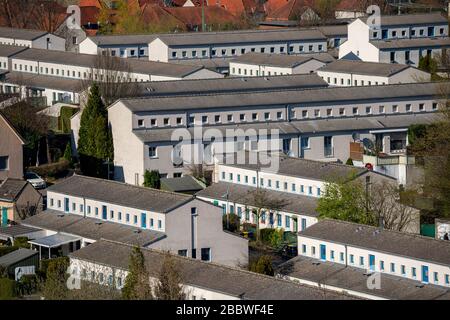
[425,274]
[143,220]
[431,31]
[384,34]
[66,204]
[104,212]
[323,252]
[372,262]
[4,216]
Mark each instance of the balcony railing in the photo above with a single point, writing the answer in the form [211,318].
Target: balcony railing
[389,160]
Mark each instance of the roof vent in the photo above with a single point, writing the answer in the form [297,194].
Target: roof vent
[137,231]
[420,286]
[98,223]
[60,215]
[316,263]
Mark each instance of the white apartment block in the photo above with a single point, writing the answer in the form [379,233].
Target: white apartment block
[360,73]
[124,46]
[403,50]
[388,252]
[31,39]
[162,220]
[260,64]
[235,43]
[318,125]
[106,263]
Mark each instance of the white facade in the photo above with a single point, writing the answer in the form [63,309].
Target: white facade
[383,262]
[248,70]
[47,41]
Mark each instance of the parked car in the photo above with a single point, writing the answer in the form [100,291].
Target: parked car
[36,181]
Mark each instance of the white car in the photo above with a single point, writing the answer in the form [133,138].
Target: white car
[36,181]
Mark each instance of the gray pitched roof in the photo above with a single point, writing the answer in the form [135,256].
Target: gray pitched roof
[366,68]
[91,61]
[44,81]
[283,97]
[91,228]
[242,194]
[392,242]
[182,184]
[230,84]
[11,189]
[305,126]
[22,34]
[120,193]
[355,279]
[413,19]
[219,278]
[295,167]
[16,230]
[411,43]
[242,36]
[10,50]
[16,256]
[279,60]
[138,39]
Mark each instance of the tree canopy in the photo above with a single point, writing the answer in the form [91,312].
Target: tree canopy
[137,283]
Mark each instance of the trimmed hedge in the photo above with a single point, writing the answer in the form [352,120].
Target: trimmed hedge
[8,289]
[51,169]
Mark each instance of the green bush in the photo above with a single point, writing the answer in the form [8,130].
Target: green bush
[7,289]
[27,284]
[8,249]
[262,265]
[276,238]
[349,162]
[21,242]
[51,169]
[152,179]
[266,235]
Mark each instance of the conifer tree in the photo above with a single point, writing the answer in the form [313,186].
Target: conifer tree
[137,283]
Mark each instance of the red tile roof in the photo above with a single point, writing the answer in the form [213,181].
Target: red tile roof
[155,15]
[90,3]
[273,5]
[89,15]
[192,16]
[291,10]
[350,5]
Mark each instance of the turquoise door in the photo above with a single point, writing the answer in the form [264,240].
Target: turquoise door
[4,216]
[425,274]
[66,204]
[323,252]
[372,262]
[143,220]
[104,213]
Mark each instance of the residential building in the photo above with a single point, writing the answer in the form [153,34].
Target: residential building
[185,46]
[318,125]
[356,281]
[11,150]
[31,39]
[106,262]
[360,73]
[169,221]
[19,258]
[405,255]
[18,200]
[363,45]
[261,64]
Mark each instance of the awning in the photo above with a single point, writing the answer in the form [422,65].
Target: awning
[55,240]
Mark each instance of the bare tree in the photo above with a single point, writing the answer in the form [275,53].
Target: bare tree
[261,200]
[169,282]
[114,77]
[386,206]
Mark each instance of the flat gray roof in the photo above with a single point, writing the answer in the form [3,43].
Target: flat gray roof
[10,50]
[266,59]
[229,84]
[367,68]
[306,126]
[55,240]
[22,34]
[119,193]
[43,81]
[16,256]
[413,19]
[182,184]
[283,97]
[386,241]
[411,43]
[242,194]
[355,279]
[16,230]
[231,281]
[91,228]
[91,61]
[242,36]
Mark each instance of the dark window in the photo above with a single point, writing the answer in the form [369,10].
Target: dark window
[194,253]
[4,162]
[182,253]
[206,254]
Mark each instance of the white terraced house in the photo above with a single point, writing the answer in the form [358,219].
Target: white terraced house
[298,182]
[82,210]
[360,73]
[361,45]
[318,124]
[31,39]
[373,249]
